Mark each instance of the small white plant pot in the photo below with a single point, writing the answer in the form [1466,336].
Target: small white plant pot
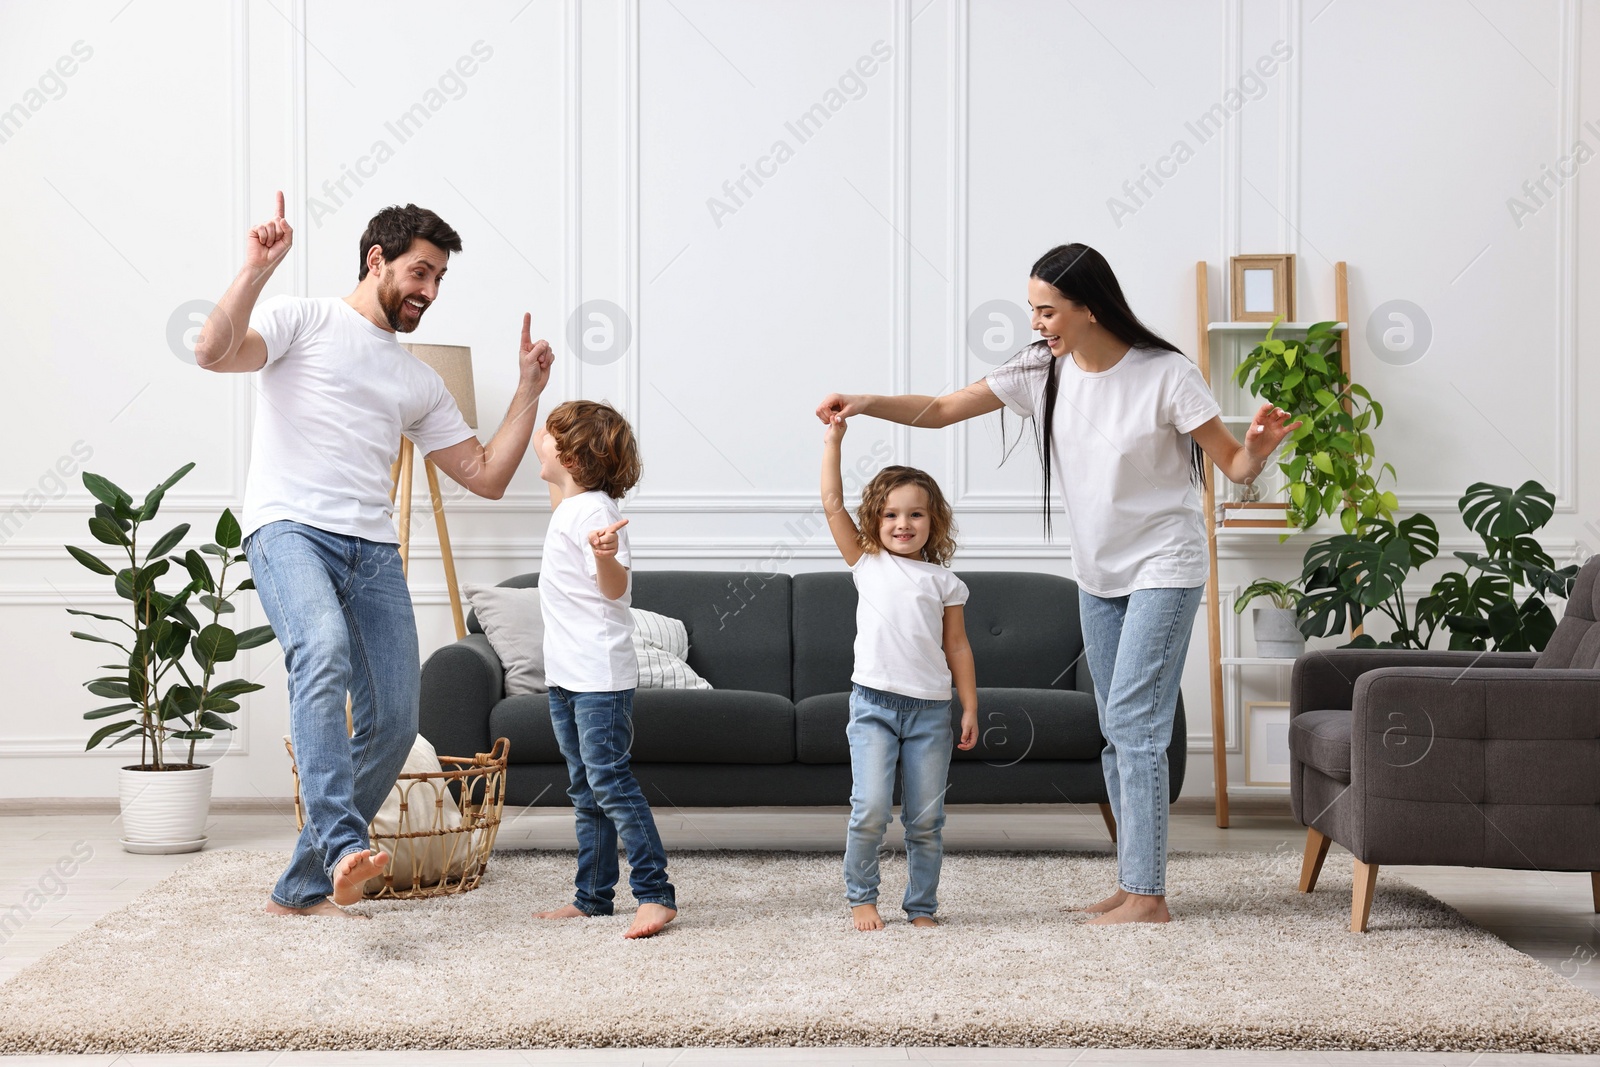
[1278,634]
[165,811]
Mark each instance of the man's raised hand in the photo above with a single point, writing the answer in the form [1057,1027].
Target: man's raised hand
[536,357]
[269,242]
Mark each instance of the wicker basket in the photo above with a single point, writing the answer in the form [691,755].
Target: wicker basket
[439,859]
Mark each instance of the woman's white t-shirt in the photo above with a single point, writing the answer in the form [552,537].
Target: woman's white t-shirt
[900,624]
[1120,451]
[335,396]
[588,639]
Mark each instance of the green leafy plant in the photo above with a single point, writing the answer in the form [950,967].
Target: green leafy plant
[1282,594]
[1349,576]
[166,688]
[1328,462]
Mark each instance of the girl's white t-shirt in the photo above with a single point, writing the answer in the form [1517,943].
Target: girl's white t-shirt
[588,640]
[335,396]
[1120,452]
[900,624]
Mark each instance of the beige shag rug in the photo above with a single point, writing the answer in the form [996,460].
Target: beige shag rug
[762,955]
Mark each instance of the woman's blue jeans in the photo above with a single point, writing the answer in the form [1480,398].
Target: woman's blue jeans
[887,729]
[1136,646]
[342,614]
[595,734]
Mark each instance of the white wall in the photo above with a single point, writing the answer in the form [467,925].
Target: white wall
[578,159]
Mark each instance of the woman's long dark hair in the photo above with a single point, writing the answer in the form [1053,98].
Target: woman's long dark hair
[1083,276]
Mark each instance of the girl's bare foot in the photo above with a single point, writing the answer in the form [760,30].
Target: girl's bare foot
[925,921]
[649,920]
[352,873]
[569,912]
[1138,908]
[1100,907]
[326,907]
[866,917]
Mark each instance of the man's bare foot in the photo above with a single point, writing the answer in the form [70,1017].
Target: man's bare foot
[1138,908]
[350,877]
[326,907]
[649,920]
[866,917]
[569,912]
[926,922]
[1100,907]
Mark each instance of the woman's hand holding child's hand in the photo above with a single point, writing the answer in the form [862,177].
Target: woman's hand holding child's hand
[835,431]
[969,730]
[604,542]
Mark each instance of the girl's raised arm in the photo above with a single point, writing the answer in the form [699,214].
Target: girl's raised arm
[840,524]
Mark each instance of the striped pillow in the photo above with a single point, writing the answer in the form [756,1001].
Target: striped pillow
[662,645]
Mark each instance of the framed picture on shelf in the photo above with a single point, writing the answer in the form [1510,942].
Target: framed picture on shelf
[1266,743]
[1262,287]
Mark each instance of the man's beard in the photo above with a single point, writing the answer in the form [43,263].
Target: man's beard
[393,304]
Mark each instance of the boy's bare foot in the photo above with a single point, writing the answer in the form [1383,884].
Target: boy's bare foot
[1138,908]
[1100,907]
[350,877]
[649,920]
[326,907]
[866,917]
[569,912]
[925,922]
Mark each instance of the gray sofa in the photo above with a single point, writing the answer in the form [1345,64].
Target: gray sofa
[778,650]
[1477,759]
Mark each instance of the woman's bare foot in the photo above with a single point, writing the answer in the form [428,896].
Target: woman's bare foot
[569,912]
[925,921]
[1100,907]
[326,907]
[866,917]
[1138,908]
[649,920]
[350,877]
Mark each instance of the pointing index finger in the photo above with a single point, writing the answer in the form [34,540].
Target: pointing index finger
[280,203]
[527,323]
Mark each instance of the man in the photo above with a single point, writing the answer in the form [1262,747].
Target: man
[336,393]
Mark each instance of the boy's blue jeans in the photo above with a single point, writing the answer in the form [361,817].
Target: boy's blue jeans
[595,733]
[887,729]
[1136,646]
[342,614]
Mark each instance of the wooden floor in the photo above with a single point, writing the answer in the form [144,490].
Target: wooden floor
[1548,916]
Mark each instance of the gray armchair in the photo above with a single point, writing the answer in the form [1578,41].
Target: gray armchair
[1476,759]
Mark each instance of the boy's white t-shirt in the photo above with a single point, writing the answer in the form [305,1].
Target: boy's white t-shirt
[1120,452]
[900,624]
[588,640]
[334,398]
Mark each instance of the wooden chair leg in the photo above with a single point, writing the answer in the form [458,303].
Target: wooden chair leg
[1594,884]
[1317,844]
[1366,879]
[1111,827]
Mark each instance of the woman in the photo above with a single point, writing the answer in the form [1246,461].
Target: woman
[1122,418]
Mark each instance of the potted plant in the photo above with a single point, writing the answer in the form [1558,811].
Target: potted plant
[164,687]
[1277,628]
[1328,461]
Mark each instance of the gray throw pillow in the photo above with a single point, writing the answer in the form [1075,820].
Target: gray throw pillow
[514,624]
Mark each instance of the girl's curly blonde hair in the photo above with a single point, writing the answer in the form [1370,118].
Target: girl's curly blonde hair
[941,543]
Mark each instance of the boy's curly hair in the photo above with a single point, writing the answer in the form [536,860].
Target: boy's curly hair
[941,543]
[596,443]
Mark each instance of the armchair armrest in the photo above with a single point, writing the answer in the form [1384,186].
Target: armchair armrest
[461,684]
[1327,678]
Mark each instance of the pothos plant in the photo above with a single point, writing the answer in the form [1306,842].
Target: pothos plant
[1329,460]
[165,688]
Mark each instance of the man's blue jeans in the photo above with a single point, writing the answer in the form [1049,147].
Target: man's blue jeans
[1136,646]
[885,730]
[595,734]
[342,613]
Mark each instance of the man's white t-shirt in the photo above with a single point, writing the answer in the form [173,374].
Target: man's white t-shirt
[1120,452]
[588,640]
[900,624]
[334,398]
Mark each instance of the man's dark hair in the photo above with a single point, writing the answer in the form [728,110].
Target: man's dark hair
[394,228]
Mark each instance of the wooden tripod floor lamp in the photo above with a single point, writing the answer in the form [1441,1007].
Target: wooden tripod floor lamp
[454,364]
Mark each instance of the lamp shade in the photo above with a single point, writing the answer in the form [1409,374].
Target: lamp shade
[454,364]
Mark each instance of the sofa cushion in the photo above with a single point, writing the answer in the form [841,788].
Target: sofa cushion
[1322,740]
[669,726]
[1576,642]
[1013,725]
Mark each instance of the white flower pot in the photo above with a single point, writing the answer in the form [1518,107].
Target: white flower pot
[1278,634]
[165,811]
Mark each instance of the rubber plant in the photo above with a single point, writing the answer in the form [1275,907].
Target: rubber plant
[1328,462]
[165,688]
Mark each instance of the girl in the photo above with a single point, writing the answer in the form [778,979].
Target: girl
[911,641]
[1122,418]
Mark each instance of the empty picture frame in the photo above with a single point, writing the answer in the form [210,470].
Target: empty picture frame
[1266,743]
[1262,287]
